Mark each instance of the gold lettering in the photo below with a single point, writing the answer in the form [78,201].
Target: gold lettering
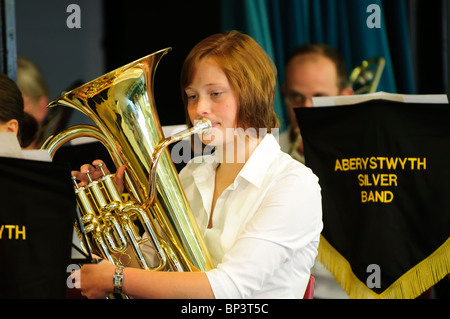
[377,196]
[402,162]
[376,178]
[337,166]
[362,180]
[388,197]
[363,196]
[364,161]
[10,228]
[21,232]
[380,160]
[13,232]
[393,180]
[384,179]
[391,162]
[345,164]
[351,164]
[373,163]
[422,163]
[412,161]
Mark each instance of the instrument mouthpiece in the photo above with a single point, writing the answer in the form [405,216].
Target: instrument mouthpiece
[205,124]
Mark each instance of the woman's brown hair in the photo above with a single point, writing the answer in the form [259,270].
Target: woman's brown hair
[11,107]
[250,71]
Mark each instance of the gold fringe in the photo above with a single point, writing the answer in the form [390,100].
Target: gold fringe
[410,285]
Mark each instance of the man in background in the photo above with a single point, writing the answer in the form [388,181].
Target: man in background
[35,92]
[312,70]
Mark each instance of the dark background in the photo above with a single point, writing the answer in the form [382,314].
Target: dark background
[154,26]
[112,34]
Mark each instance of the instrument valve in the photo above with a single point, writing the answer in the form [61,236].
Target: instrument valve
[91,182]
[101,168]
[74,180]
[104,175]
[78,189]
[89,176]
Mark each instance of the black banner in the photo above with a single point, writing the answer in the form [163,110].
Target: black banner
[384,171]
[37,215]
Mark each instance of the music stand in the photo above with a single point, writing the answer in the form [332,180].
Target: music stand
[84,257]
[36,226]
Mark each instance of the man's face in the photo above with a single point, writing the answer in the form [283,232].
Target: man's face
[307,76]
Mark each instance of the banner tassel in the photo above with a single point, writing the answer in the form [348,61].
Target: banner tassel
[410,285]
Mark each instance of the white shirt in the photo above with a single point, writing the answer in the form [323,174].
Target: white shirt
[266,225]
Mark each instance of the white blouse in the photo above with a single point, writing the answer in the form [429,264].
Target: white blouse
[266,225]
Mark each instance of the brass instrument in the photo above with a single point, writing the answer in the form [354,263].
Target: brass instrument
[366,77]
[122,106]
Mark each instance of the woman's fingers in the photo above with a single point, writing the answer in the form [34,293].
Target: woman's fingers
[91,172]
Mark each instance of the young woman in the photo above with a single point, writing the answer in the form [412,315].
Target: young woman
[258,209]
[12,116]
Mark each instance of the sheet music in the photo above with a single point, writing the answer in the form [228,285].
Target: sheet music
[359,98]
[37,155]
[10,147]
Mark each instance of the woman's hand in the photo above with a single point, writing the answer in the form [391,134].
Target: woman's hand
[96,279]
[95,172]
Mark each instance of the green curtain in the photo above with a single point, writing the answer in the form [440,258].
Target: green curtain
[281,25]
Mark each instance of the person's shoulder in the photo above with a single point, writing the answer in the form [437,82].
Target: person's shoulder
[288,163]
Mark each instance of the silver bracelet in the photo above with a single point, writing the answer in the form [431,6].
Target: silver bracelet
[118,279]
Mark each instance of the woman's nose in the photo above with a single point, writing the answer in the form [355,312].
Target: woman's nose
[203,107]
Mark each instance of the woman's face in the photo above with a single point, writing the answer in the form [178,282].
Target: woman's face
[210,96]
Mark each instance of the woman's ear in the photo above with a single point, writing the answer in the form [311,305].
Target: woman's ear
[12,126]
